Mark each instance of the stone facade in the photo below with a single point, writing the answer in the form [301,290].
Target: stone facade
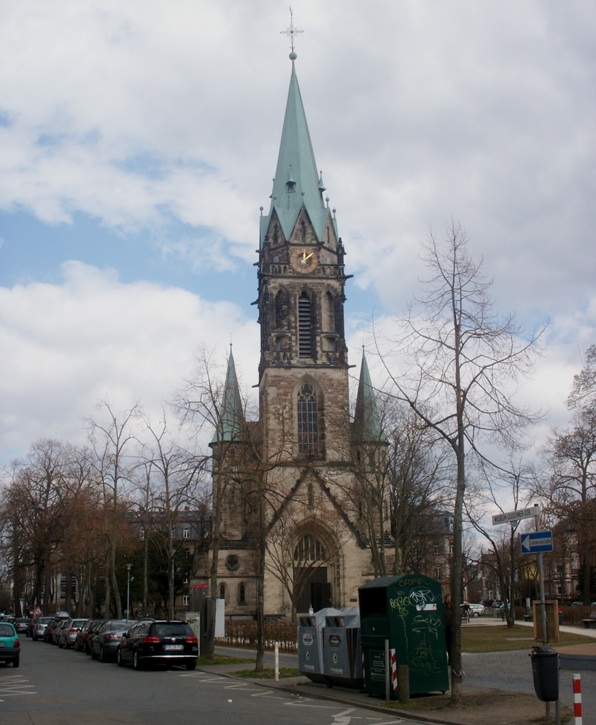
[293,474]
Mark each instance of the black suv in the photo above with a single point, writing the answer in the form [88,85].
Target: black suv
[162,641]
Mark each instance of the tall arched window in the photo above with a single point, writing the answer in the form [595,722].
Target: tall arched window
[241,594]
[308,424]
[222,591]
[305,341]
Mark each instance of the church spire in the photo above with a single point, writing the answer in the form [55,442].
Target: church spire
[297,182]
[367,426]
[231,424]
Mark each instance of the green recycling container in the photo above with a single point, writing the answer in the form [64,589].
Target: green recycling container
[407,612]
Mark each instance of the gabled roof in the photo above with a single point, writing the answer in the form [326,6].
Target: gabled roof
[231,425]
[367,426]
[297,182]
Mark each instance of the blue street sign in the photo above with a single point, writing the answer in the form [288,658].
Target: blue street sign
[536,541]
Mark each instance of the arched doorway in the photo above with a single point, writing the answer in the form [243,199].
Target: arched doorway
[315,566]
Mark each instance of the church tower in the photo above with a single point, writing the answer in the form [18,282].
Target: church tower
[301,471]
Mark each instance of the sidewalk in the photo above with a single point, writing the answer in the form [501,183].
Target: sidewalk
[495,703]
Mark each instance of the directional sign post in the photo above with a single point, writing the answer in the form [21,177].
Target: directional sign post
[536,541]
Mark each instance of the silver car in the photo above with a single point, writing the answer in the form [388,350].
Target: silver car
[67,634]
[39,627]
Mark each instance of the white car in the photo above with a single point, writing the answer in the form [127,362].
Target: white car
[476,610]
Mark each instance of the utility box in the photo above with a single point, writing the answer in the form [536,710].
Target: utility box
[552,621]
[342,659]
[310,643]
[545,670]
[407,612]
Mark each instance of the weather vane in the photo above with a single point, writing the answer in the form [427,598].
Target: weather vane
[291,32]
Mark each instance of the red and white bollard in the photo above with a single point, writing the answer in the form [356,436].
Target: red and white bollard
[577,700]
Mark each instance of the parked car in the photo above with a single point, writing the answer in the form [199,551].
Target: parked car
[39,627]
[97,625]
[105,643]
[498,604]
[10,645]
[21,624]
[57,630]
[164,642]
[477,609]
[68,632]
[80,643]
[52,624]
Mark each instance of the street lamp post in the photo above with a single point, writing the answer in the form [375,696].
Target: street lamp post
[128,568]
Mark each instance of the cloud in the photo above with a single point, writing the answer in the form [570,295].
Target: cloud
[92,337]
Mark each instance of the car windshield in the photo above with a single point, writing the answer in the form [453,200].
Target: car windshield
[6,630]
[118,626]
[170,630]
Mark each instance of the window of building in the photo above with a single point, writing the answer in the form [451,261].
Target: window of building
[438,572]
[186,532]
[308,429]
[222,591]
[305,341]
[309,550]
[186,600]
[437,549]
[241,594]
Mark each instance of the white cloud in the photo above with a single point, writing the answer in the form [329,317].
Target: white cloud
[137,114]
[92,337]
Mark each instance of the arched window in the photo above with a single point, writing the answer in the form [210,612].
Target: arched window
[222,591]
[309,550]
[241,594]
[305,341]
[308,424]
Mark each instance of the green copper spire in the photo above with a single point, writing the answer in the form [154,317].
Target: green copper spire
[367,426]
[230,426]
[297,182]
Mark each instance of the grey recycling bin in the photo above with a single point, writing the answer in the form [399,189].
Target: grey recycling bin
[310,643]
[545,669]
[342,658]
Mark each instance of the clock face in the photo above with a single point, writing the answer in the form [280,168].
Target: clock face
[304,259]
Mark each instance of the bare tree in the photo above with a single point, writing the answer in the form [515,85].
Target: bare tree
[110,440]
[178,472]
[464,361]
[504,553]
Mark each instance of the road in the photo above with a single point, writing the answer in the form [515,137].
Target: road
[59,687]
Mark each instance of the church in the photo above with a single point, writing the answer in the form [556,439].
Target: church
[292,517]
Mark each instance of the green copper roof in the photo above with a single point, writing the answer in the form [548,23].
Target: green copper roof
[366,418]
[297,181]
[230,426]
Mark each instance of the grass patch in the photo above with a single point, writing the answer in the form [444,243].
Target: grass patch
[269,673]
[223,660]
[504,639]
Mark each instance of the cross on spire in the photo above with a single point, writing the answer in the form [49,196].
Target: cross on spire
[292,31]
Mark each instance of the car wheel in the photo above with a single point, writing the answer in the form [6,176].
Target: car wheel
[119,660]
[15,662]
[93,655]
[191,665]
[102,656]
[476,614]
[136,662]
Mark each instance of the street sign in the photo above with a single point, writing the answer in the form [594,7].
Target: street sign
[536,542]
[517,515]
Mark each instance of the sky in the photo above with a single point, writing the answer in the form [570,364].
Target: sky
[138,142]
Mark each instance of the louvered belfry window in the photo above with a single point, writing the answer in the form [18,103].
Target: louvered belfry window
[305,325]
[308,429]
